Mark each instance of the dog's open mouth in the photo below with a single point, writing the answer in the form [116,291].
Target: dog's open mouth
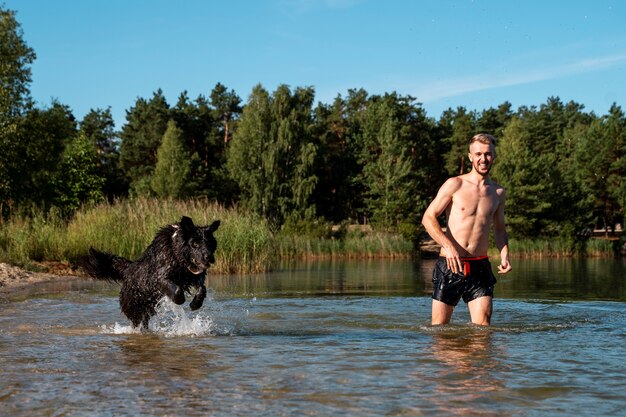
[195,269]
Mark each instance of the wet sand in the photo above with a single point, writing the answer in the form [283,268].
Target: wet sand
[14,279]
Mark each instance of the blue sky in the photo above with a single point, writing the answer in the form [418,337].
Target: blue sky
[477,54]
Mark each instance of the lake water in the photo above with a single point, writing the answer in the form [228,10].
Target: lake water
[324,339]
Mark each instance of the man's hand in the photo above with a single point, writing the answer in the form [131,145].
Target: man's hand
[504,266]
[453,260]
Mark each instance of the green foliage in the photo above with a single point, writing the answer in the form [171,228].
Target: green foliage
[398,159]
[203,125]
[246,161]
[272,154]
[42,137]
[556,247]
[172,175]
[463,128]
[355,244]
[245,243]
[335,165]
[15,72]
[199,135]
[226,106]
[127,227]
[361,159]
[32,238]
[79,181]
[141,136]
[599,165]
[494,120]
[99,128]
[15,76]
[339,192]
[521,172]
[387,168]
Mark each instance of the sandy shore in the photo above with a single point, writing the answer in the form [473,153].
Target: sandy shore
[13,278]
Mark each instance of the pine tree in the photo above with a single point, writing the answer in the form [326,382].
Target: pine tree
[99,128]
[387,159]
[600,165]
[494,120]
[141,136]
[463,128]
[172,174]
[227,107]
[388,176]
[335,164]
[519,170]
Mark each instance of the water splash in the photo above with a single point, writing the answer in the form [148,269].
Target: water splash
[172,320]
[118,328]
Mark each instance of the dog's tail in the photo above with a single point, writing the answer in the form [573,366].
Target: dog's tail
[104,266]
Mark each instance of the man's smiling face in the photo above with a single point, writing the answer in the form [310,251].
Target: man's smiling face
[481,156]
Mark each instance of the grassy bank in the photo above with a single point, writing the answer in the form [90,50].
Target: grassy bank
[354,244]
[556,248]
[246,243]
[127,228]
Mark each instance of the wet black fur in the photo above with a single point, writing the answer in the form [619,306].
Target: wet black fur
[175,261]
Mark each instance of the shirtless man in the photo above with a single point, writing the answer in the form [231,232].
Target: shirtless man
[472,203]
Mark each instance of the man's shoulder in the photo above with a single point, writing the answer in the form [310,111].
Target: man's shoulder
[463,180]
[499,190]
[453,183]
[498,187]
[458,180]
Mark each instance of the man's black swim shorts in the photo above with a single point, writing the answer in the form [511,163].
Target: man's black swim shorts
[476,281]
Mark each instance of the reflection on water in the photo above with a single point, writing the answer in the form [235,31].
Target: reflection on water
[566,279]
[468,374]
[333,338]
[331,277]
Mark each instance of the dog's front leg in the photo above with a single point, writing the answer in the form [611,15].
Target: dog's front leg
[197,301]
[176,294]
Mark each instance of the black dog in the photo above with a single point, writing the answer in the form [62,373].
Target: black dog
[175,261]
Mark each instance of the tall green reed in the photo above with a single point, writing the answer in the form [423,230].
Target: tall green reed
[556,248]
[127,227]
[246,243]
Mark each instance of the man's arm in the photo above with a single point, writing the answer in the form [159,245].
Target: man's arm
[500,235]
[432,226]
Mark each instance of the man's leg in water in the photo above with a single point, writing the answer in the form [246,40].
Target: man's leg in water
[441,312]
[480,310]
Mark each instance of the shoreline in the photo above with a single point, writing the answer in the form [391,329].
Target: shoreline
[14,279]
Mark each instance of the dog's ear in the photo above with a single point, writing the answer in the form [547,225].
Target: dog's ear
[187,226]
[213,227]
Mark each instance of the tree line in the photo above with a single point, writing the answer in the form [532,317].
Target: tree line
[364,158]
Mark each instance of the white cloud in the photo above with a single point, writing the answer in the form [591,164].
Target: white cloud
[455,87]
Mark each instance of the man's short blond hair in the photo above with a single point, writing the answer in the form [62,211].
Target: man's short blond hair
[485,138]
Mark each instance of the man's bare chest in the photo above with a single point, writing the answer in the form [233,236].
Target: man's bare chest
[474,201]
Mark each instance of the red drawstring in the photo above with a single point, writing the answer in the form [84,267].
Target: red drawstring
[466,263]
